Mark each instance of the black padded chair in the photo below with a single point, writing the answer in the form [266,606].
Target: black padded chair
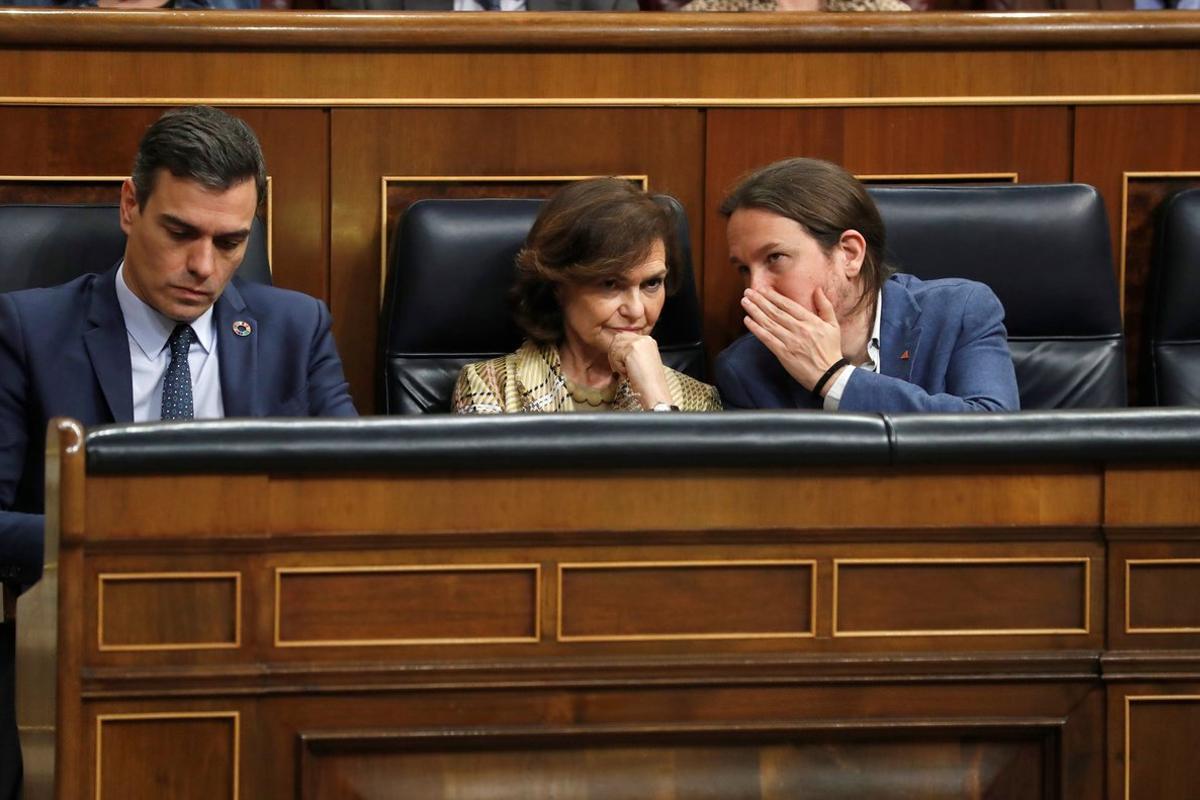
[1045,251]
[1171,361]
[47,245]
[446,300]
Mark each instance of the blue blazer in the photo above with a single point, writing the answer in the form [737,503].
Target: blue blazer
[942,347]
[64,352]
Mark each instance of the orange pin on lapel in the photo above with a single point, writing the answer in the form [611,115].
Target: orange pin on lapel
[904,356]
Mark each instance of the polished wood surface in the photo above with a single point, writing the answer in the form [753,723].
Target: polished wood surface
[946,638]
[614,31]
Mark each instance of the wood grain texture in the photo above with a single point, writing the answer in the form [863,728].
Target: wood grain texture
[249,31]
[167,610]
[722,765]
[1111,142]
[679,600]
[165,756]
[781,499]
[1151,497]
[1152,729]
[962,597]
[332,606]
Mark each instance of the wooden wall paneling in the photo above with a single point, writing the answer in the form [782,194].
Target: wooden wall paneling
[389,58]
[1154,599]
[1155,144]
[939,144]
[1152,735]
[295,144]
[1044,740]
[368,144]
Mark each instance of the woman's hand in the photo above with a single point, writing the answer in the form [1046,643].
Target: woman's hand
[635,357]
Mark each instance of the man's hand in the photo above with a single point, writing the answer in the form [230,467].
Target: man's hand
[635,357]
[805,343]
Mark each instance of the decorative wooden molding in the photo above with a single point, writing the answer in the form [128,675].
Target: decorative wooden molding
[596,31]
[1086,628]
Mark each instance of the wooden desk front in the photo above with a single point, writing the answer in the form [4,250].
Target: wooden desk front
[1000,632]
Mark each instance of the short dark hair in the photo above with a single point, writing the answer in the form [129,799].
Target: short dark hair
[204,144]
[589,231]
[827,201]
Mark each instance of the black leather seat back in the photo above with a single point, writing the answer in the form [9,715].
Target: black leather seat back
[446,301]
[1045,251]
[1171,376]
[47,245]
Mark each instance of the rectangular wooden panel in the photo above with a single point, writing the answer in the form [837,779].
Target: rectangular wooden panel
[734,765]
[396,605]
[169,611]
[686,600]
[1161,733]
[961,597]
[182,756]
[1162,595]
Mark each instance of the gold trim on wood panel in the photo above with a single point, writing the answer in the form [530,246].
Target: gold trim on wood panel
[270,225]
[1011,177]
[168,715]
[535,569]
[172,576]
[669,637]
[618,102]
[1125,176]
[1087,596]
[1129,629]
[386,179]
[1129,700]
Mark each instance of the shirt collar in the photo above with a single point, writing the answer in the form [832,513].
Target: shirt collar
[872,363]
[151,329]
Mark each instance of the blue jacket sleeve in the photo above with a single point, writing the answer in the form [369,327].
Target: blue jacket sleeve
[328,391]
[20,533]
[979,375]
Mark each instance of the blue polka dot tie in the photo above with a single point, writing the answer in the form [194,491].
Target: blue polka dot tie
[177,384]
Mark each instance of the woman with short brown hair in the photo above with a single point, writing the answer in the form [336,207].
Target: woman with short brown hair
[591,282]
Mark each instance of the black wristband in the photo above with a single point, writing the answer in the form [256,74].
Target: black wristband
[820,384]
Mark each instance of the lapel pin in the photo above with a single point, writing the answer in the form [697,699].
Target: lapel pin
[242,328]
[903,356]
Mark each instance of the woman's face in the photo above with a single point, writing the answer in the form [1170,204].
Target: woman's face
[595,313]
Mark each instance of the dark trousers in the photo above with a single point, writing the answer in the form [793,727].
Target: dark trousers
[10,747]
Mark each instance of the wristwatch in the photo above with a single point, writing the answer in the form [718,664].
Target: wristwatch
[664,407]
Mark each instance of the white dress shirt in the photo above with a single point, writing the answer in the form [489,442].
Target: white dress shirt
[833,397]
[149,356]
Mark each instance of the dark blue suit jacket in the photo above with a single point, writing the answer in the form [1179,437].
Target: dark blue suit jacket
[64,352]
[951,330]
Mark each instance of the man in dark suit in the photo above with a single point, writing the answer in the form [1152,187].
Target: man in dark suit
[831,327]
[168,333]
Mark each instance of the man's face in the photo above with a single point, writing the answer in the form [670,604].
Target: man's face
[187,242]
[774,251]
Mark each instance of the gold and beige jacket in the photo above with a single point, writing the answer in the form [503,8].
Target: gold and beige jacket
[531,380]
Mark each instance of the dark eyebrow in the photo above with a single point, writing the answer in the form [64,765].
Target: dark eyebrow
[766,248]
[171,219]
[176,222]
